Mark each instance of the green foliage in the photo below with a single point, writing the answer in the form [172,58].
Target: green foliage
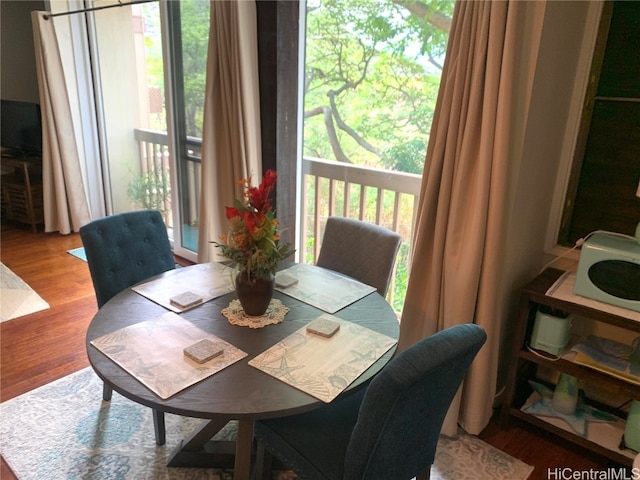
[406,157]
[150,190]
[375,66]
[372,73]
[401,278]
[195,42]
[372,64]
[194,30]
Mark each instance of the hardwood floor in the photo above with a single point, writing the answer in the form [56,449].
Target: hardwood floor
[44,346]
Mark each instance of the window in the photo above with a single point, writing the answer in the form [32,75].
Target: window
[371,79]
[141,168]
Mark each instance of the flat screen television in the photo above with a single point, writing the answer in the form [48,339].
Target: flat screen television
[20,128]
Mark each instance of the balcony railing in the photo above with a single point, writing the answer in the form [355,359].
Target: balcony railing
[383,197]
[155,184]
[153,148]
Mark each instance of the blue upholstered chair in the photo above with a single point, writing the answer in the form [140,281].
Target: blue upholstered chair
[360,250]
[386,431]
[122,250]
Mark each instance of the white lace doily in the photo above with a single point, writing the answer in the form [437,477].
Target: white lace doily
[275,314]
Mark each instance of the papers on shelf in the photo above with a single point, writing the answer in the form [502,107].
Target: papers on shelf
[563,290]
[207,280]
[607,356]
[320,366]
[322,288]
[153,353]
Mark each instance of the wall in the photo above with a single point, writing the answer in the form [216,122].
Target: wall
[18,79]
[550,124]
[119,70]
[552,120]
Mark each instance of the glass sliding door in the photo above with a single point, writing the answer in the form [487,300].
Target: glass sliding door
[187,28]
[149,65]
[129,84]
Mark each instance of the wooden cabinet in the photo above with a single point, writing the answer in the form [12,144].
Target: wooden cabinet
[22,190]
[606,165]
[526,365]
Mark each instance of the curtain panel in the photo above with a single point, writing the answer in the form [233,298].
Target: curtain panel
[66,207]
[464,206]
[231,129]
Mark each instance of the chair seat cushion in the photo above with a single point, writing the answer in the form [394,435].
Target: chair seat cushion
[329,426]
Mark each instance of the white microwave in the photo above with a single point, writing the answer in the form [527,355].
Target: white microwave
[609,270]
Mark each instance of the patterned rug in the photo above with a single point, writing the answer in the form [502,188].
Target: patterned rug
[16,297]
[65,430]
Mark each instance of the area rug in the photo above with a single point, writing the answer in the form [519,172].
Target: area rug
[16,297]
[65,430]
[78,253]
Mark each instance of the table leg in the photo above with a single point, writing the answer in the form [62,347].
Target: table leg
[199,451]
[244,447]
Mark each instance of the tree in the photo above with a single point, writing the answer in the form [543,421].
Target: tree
[195,41]
[371,79]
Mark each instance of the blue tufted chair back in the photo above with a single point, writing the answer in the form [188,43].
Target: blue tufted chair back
[124,249]
[387,431]
[403,409]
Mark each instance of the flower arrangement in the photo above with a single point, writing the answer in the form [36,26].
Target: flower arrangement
[253,241]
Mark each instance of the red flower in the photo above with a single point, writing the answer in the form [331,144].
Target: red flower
[252,221]
[259,197]
[253,238]
[269,179]
[232,213]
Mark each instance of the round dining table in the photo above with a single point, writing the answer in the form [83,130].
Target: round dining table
[240,391]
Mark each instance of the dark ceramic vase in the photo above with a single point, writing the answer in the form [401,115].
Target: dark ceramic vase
[255,293]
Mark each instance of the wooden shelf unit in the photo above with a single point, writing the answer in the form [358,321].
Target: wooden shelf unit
[524,364]
[22,191]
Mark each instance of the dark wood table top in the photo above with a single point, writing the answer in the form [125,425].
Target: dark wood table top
[239,391]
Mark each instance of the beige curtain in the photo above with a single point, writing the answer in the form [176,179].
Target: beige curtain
[231,132]
[66,207]
[464,207]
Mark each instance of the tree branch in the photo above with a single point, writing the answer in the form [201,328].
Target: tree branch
[333,137]
[331,131]
[314,111]
[352,133]
[434,62]
[435,18]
